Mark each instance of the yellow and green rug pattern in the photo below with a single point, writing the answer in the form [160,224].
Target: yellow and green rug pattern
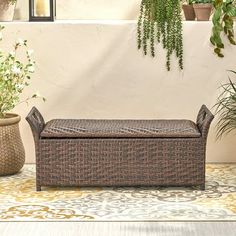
[20,202]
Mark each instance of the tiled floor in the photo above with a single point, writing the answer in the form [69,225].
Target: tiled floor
[20,202]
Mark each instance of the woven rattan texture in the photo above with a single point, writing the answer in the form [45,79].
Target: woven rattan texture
[106,161]
[121,162]
[12,155]
[120,128]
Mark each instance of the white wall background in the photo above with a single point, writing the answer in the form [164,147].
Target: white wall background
[93,70]
[87,9]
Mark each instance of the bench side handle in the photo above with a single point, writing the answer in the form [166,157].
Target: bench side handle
[36,122]
[204,120]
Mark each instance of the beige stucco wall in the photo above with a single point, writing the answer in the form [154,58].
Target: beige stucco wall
[87,9]
[93,70]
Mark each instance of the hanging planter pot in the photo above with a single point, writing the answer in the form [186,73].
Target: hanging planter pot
[12,156]
[202,11]
[7,8]
[188,12]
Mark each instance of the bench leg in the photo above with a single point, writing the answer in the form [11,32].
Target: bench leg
[38,188]
[203,187]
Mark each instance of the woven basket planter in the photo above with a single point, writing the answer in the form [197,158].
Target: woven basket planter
[12,156]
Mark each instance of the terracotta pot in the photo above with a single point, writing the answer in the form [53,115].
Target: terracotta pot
[203,11]
[12,156]
[188,12]
[6,10]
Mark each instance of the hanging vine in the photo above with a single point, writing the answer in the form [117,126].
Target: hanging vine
[223,21]
[160,22]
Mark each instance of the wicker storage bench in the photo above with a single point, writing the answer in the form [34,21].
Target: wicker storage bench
[120,152]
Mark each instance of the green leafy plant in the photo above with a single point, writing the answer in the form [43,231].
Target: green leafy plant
[223,21]
[160,22]
[14,76]
[226,108]
[202,1]
[12,1]
[188,2]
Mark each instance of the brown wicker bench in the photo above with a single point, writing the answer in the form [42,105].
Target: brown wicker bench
[120,152]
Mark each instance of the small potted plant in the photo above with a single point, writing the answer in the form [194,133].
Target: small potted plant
[226,108]
[15,75]
[202,9]
[188,10]
[7,8]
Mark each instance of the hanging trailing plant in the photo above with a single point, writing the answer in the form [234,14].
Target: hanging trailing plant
[160,22]
[223,21]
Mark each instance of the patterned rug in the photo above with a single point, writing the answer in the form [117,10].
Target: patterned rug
[20,202]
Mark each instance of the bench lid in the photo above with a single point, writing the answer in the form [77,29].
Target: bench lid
[64,128]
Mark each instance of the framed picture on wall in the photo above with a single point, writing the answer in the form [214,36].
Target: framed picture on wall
[42,10]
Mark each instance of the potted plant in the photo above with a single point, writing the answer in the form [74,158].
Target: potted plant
[7,8]
[188,10]
[14,77]
[226,108]
[202,9]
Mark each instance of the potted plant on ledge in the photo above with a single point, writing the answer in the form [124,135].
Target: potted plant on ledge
[188,10]
[202,9]
[14,77]
[7,8]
